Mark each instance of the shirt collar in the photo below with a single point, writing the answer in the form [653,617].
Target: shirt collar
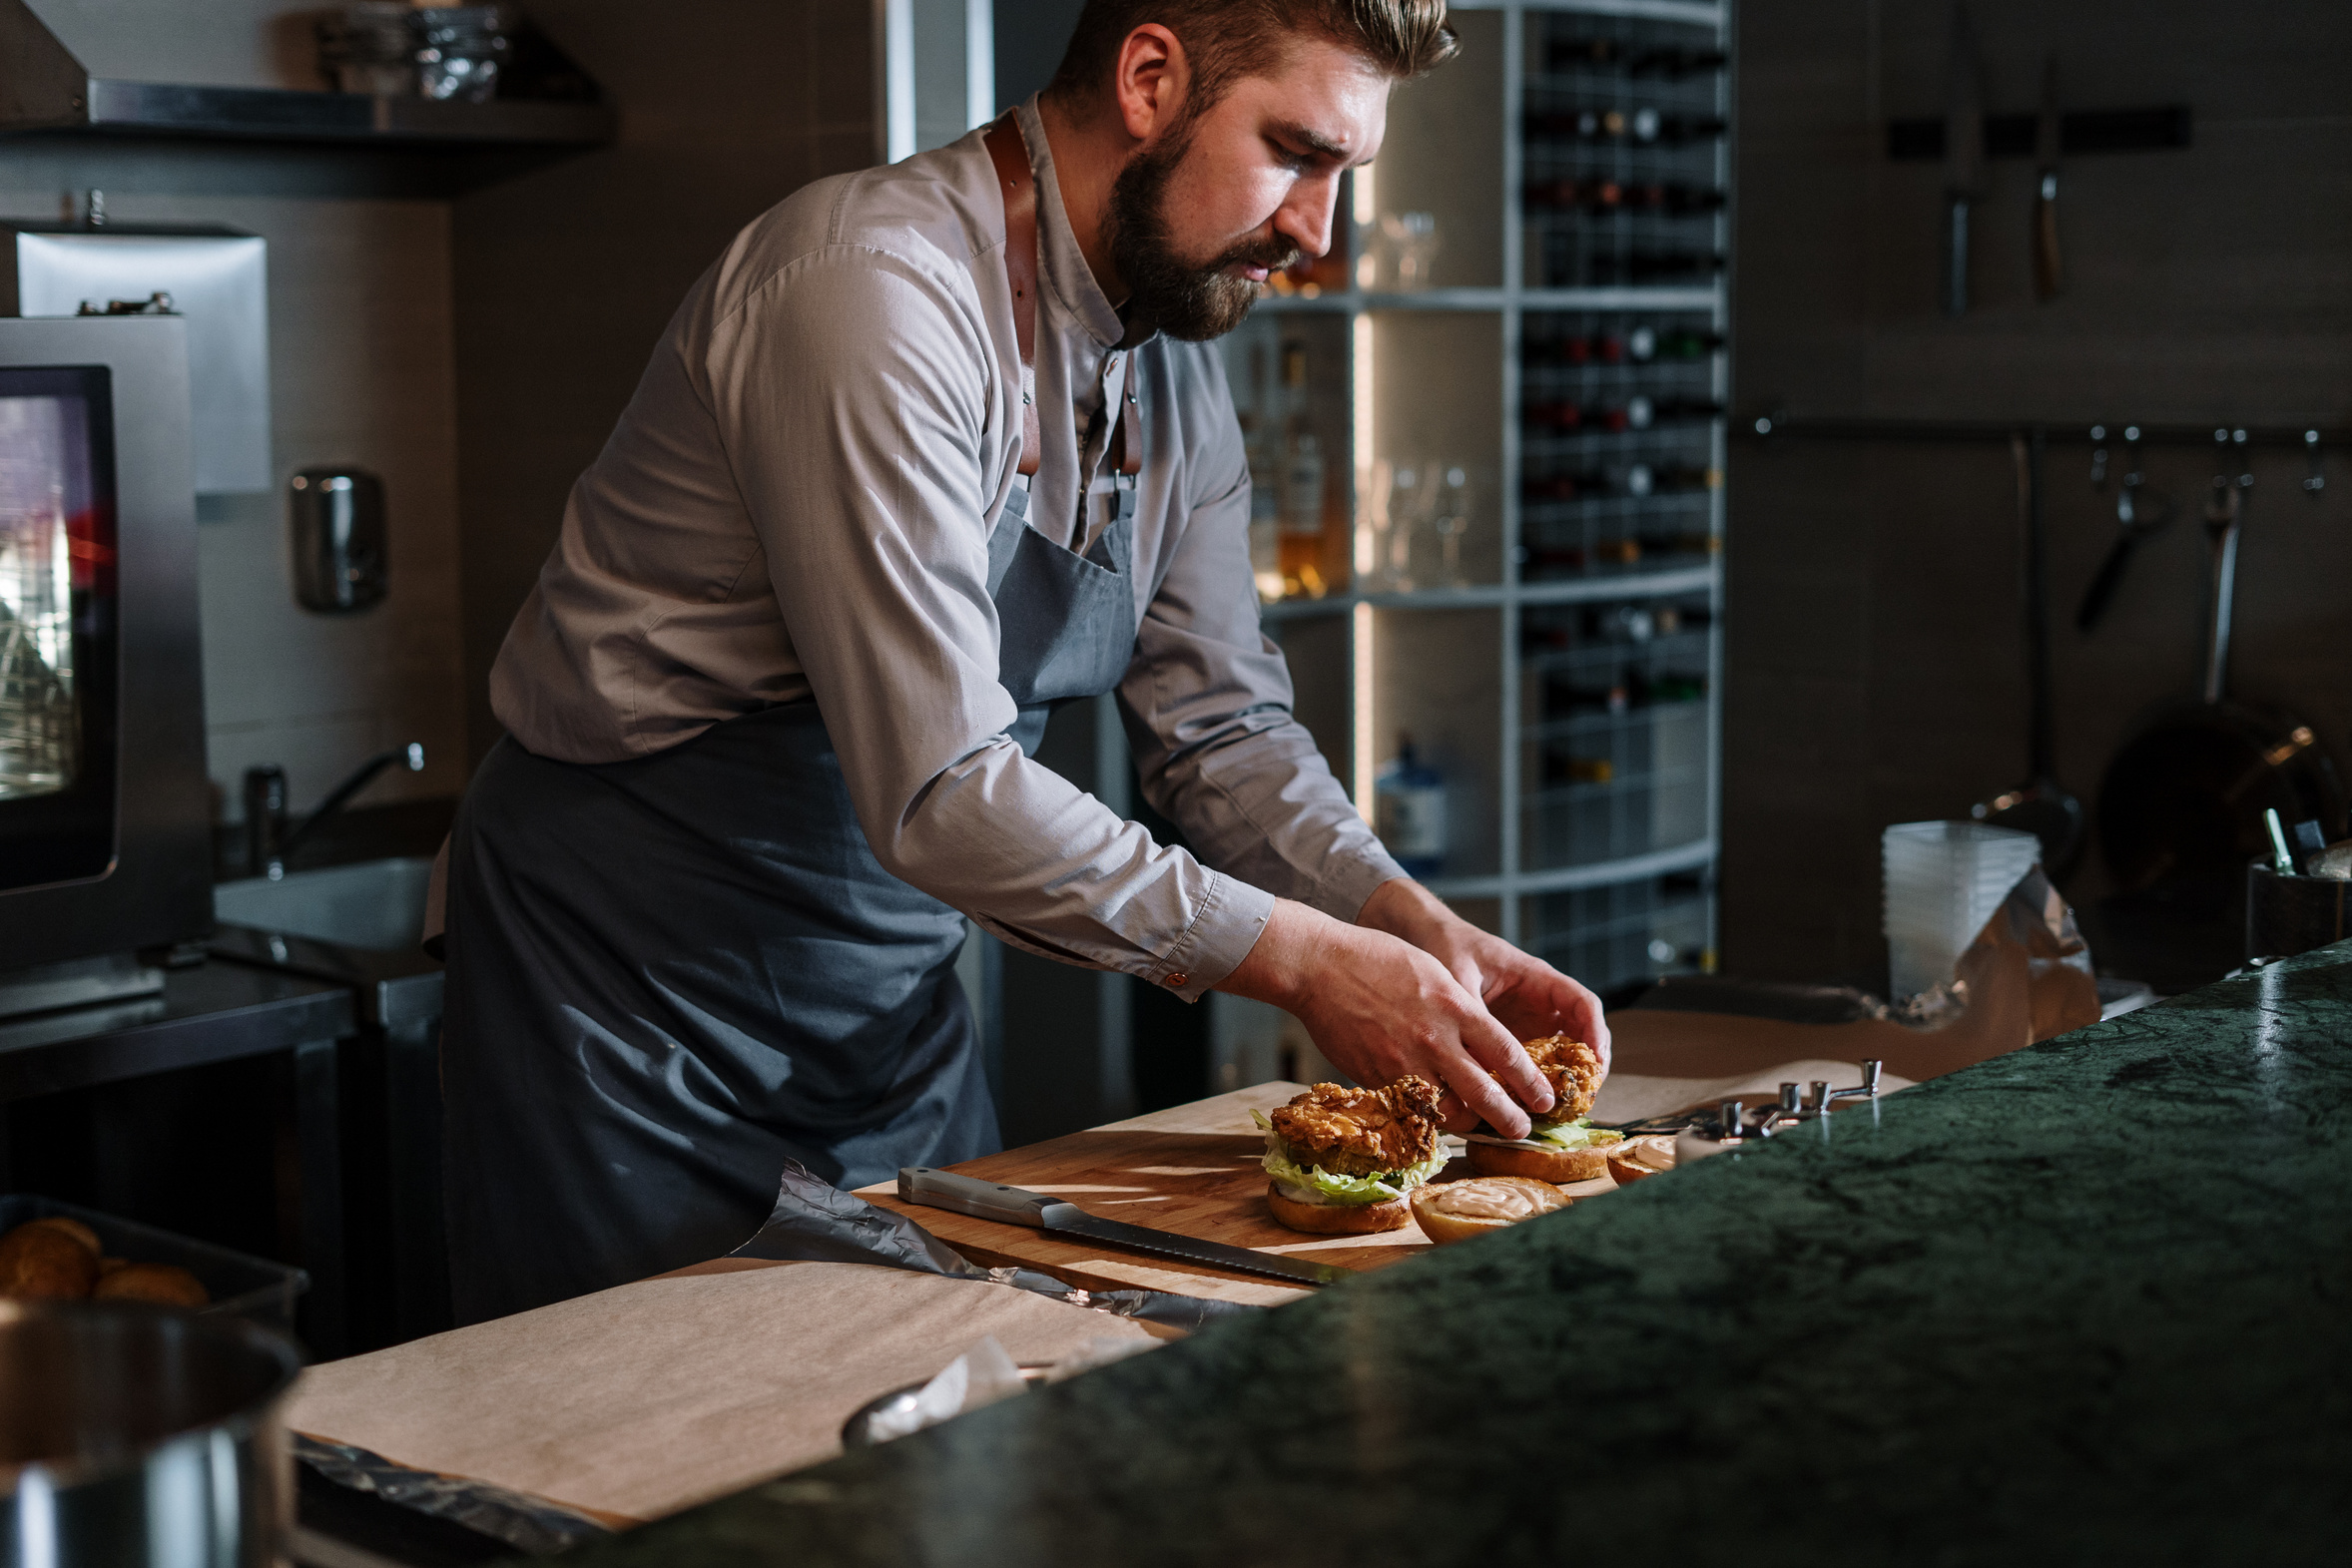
[1058,255]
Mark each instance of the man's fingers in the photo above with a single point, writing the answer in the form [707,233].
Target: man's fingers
[1495,1049]
[1453,1115]
[1484,1099]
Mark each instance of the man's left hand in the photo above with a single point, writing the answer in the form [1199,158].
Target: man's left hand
[1525,994]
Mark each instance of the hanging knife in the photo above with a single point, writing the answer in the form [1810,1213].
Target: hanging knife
[2049,266]
[1042,1212]
[1964,158]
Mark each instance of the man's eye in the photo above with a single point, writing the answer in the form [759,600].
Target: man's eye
[1299,161]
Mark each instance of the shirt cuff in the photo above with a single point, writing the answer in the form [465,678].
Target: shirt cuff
[1343,889]
[1231,920]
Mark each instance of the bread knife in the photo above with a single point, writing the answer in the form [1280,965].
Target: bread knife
[1042,1212]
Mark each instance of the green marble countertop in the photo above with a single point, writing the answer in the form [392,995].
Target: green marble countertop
[2089,1301]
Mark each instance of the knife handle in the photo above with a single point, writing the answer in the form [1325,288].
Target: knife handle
[920,1184]
[2049,266]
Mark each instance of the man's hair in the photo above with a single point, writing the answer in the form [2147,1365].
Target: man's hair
[1228,40]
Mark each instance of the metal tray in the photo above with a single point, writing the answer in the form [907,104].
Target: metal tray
[240,1286]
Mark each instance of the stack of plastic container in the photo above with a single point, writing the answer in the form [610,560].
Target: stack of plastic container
[1944,880]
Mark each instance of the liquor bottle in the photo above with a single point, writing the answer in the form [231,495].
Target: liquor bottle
[1675,63]
[1614,199]
[1261,443]
[1645,343]
[1568,54]
[1303,552]
[1645,126]
[1409,811]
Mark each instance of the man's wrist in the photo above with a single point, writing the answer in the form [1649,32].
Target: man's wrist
[1404,909]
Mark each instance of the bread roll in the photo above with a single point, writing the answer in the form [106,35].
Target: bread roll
[1457,1211]
[1639,1157]
[1337,1219]
[1544,1164]
[40,1263]
[73,1228]
[166,1283]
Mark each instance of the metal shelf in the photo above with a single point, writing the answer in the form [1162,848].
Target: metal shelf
[1581,590]
[154,108]
[1568,880]
[1353,302]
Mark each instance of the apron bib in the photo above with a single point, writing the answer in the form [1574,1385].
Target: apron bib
[669,975]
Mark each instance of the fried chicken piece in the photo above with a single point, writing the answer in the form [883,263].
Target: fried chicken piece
[1573,1070]
[1362,1132]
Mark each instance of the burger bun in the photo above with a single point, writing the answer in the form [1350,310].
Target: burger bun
[1338,1219]
[1557,1166]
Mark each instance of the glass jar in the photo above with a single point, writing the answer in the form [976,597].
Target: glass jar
[459,49]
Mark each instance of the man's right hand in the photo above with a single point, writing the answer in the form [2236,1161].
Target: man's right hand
[1380,1009]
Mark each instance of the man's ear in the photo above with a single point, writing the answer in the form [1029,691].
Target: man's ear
[1150,82]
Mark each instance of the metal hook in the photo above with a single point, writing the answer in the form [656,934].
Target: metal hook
[2098,457]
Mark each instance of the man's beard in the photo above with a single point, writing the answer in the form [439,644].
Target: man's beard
[1186,302]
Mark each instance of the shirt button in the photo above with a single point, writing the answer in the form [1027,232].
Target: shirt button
[1177,981]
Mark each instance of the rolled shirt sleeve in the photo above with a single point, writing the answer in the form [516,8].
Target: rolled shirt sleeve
[875,543]
[1207,704]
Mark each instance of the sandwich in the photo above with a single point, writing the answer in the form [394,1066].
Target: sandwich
[1562,1145]
[1342,1161]
[1457,1211]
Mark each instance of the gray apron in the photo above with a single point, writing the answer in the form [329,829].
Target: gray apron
[668,976]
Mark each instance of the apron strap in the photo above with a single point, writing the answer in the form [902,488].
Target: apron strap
[1019,188]
[1012,157]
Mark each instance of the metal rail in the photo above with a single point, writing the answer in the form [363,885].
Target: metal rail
[1776,426]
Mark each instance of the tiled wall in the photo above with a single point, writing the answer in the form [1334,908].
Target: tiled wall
[1874,666]
[362,371]
[473,351]
[567,276]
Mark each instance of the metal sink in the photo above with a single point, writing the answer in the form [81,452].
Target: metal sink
[359,923]
[376,905]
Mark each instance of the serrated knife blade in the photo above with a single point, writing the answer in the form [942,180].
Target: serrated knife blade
[1042,1212]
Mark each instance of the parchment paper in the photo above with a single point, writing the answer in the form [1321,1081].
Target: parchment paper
[644,1399]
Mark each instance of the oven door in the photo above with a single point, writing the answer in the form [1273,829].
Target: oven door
[60,649]
[105,810]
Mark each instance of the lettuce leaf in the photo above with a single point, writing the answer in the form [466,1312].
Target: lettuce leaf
[1568,1135]
[1330,1186]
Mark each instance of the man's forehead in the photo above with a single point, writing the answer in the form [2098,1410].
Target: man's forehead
[1324,100]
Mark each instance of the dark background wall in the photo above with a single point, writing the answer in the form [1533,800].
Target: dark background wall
[1874,654]
[565,277]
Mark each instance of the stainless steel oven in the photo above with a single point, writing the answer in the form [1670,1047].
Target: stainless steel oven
[104,803]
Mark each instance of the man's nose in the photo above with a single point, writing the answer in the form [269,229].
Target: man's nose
[1304,218]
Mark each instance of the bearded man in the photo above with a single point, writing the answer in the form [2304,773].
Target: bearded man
[930,451]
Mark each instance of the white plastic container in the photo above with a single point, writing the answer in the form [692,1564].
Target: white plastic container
[1944,880]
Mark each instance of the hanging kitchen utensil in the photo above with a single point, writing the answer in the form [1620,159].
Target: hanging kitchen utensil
[2182,801]
[2139,512]
[1964,158]
[2041,805]
[2050,264]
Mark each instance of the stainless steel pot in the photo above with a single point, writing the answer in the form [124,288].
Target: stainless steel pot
[134,1435]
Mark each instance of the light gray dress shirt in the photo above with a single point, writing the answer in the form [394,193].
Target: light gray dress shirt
[796,503]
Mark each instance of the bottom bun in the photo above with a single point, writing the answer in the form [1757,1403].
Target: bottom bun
[1338,1219]
[1544,1165]
[1457,1211]
[1637,1158]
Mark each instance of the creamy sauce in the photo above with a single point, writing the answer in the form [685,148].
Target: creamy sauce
[1655,1153]
[1497,1198]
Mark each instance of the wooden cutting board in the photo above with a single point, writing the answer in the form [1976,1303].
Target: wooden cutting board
[1192,1170]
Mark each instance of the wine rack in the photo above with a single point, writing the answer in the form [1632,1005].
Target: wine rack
[1531,304]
